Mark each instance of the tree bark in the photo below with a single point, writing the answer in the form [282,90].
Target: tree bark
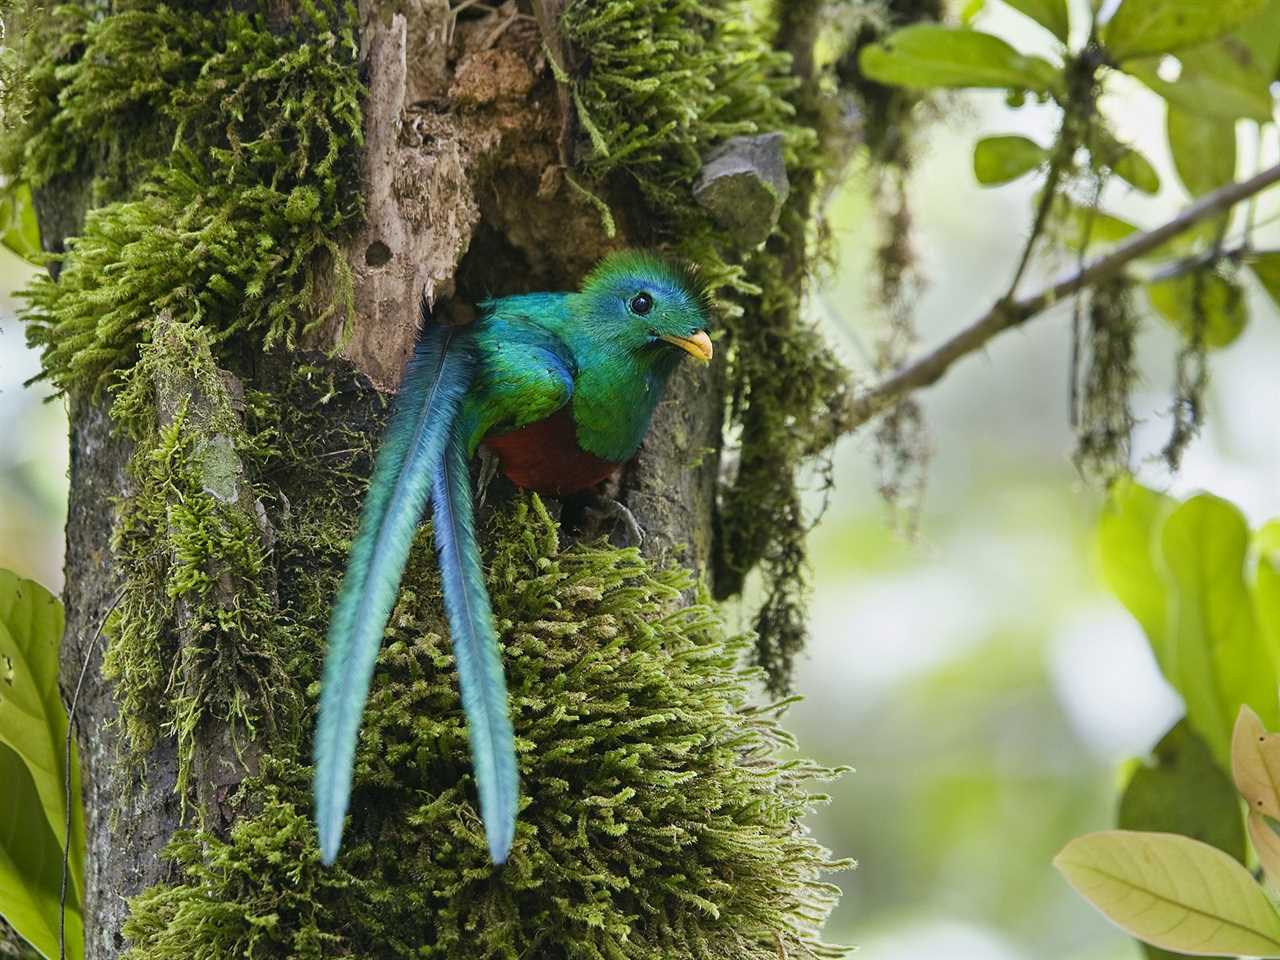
[126,824]
[465,196]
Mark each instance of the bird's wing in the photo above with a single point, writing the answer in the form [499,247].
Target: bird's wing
[423,422]
[524,374]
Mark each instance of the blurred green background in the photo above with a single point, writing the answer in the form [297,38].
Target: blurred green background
[976,674]
[33,449]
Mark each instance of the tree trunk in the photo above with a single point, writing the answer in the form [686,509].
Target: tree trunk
[465,195]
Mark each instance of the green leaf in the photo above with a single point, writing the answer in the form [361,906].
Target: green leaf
[1127,538]
[1173,892]
[1140,28]
[1184,792]
[1136,170]
[31,865]
[1204,150]
[1051,14]
[1266,589]
[924,56]
[1262,36]
[971,10]
[1077,224]
[1266,267]
[998,160]
[1218,81]
[33,722]
[1267,540]
[1126,162]
[1181,573]
[1217,657]
[1223,312]
[19,230]
[1227,79]
[1204,155]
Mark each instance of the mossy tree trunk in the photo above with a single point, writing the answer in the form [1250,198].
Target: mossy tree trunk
[227,330]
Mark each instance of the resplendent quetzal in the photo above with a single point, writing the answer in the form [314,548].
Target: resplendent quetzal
[561,386]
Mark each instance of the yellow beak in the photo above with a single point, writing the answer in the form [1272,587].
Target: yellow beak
[697,346]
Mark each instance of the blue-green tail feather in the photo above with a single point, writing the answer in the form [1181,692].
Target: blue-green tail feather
[431,395]
[475,647]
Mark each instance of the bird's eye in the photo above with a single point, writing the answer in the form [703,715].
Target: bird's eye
[641,304]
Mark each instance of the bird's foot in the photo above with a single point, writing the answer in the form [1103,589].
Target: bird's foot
[489,464]
[610,509]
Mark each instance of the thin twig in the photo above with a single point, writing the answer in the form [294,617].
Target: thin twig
[1007,313]
[1186,265]
[1251,211]
[1047,198]
[66,776]
[1080,102]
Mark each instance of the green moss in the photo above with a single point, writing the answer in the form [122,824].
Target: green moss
[14,86]
[665,83]
[261,892]
[668,80]
[232,140]
[658,820]
[197,636]
[230,225]
[785,421]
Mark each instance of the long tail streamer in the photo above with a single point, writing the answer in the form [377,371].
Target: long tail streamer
[475,648]
[411,455]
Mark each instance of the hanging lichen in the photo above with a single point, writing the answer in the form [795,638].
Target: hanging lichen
[891,122]
[1104,413]
[903,447]
[1192,372]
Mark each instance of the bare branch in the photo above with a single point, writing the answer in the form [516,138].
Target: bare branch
[1007,313]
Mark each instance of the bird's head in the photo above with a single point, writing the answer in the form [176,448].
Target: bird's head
[640,304]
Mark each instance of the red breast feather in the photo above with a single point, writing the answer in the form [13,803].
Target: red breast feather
[545,457]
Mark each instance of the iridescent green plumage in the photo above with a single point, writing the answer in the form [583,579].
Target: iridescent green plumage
[562,386]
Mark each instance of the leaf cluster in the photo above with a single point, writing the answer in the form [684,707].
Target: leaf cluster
[1178,893]
[1206,591]
[1207,597]
[1214,65]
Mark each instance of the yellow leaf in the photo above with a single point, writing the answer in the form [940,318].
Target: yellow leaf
[1266,843]
[1255,763]
[1173,892]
